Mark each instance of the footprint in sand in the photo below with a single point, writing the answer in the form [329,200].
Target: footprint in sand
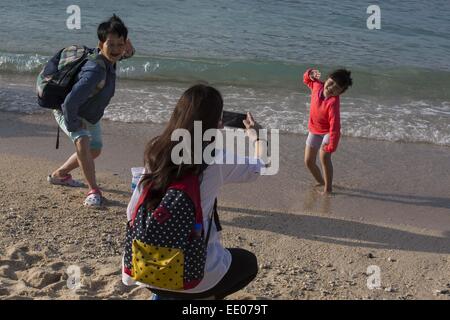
[21,254]
[8,269]
[23,273]
[41,277]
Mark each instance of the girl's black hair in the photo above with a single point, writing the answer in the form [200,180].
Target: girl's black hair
[113,25]
[342,78]
[198,103]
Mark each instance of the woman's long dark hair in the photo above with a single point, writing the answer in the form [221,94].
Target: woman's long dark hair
[198,103]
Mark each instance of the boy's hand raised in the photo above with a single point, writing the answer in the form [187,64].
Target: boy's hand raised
[129,49]
[314,75]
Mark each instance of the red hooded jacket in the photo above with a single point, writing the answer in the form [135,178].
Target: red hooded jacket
[324,114]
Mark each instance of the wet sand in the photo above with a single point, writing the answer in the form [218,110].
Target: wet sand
[391,208]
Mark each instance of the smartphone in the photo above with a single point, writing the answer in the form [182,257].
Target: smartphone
[234,119]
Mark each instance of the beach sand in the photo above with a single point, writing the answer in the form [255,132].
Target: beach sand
[391,209]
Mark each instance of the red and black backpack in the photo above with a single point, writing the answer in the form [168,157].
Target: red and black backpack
[166,247]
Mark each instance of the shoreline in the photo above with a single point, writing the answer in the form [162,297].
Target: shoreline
[142,102]
[376,172]
[389,210]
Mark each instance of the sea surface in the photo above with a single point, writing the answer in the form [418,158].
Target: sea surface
[255,52]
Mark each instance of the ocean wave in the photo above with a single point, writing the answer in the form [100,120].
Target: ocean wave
[368,80]
[423,120]
[412,121]
[22,63]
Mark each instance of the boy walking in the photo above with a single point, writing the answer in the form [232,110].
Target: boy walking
[85,104]
[324,122]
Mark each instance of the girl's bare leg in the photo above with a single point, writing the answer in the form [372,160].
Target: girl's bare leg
[327,168]
[310,162]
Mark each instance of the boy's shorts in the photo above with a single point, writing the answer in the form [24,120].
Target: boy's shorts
[316,141]
[93,131]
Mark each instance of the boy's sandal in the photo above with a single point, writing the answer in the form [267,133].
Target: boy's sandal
[65,181]
[94,198]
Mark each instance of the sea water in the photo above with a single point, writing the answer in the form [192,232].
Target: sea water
[255,52]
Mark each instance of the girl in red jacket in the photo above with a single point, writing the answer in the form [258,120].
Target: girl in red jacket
[324,122]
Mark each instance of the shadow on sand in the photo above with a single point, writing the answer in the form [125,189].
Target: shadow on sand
[435,202]
[337,231]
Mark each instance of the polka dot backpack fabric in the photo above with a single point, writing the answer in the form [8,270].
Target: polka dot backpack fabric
[166,247]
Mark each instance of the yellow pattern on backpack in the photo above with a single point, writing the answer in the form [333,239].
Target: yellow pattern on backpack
[158,266]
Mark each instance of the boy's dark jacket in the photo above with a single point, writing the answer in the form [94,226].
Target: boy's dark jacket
[83,101]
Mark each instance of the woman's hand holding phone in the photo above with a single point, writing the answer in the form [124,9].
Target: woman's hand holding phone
[249,124]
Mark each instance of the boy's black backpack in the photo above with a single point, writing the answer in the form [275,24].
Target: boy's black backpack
[57,78]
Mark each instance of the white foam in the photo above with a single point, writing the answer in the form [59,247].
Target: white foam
[411,121]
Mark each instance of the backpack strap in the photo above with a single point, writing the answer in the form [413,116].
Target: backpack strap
[209,229]
[95,57]
[143,196]
[57,138]
[216,217]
